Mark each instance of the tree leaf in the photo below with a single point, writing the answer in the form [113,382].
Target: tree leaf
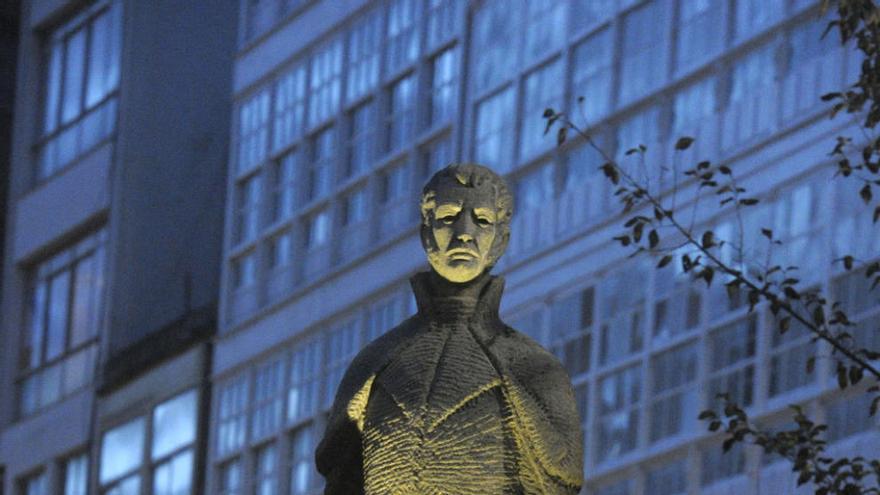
[684,143]
[664,261]
[653,239]
[865,193]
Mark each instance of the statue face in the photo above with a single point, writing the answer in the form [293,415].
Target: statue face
[462,230]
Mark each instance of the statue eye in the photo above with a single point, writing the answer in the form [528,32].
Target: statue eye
[483,221]
[447,219]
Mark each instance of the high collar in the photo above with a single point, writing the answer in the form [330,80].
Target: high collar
[442,300]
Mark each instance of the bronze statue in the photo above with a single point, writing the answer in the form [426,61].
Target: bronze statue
[453,401]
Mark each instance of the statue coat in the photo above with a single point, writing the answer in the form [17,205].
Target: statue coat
[453,401]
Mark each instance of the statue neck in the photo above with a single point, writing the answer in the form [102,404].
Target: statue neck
[442,300]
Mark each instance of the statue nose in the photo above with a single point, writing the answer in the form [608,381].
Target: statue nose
[465,237]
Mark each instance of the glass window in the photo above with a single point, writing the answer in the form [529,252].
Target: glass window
[582,181]
[643,62]
[752,74]
[355,207]
[591,75]
[535,189]
[493,144]
[174,424]
[731,361]
[436,155]
[755,15]
[253,130]
[244,271]
[63,307]
[788,357]
[495,43]
[304,478]
[395,184]
[325,83]
[623,314]
[174,476]
[444,86]
[76,475]
[80,82]
[364,43]
[668,479]
[36,484]
[674,395]
[401,113]
[383,316]
[698,33]
[284,196]
[691,106]
[343,343]
[290,107]
[849,416]
[571,322]
[268,400]
[677,303]
[545,27]
[122,451]
[281,250]
[641,128]
[231,478]
[619,397]
[719,465]
[318,229]
[362,138]
[249,193]
[305,375]
[320,171]
[402,45]
[544,89]
[266,470]
[444,17]
[232,405]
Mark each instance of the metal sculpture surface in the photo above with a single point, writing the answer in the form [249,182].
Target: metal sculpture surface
[453,401]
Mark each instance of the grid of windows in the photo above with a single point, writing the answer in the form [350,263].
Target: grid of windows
[160,445]
[63,315]
[278,407]
[80,85]
[620,358]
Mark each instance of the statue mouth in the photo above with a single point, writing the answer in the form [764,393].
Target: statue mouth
[461,254]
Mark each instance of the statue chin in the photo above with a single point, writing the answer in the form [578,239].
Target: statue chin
[456,271]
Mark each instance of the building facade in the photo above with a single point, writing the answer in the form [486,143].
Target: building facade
[113,228]
[344,108]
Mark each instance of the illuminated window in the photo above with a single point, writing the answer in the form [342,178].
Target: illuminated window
[173,444]
[304,478]
[320,169]
[76,475]
[268,401]
[284,199]
[35,484]
[318,229]
[618,423]
[266,470]
[253,131]
[230,481]
[443,20]
[64,302]
[290,107]
[80,83]
[122,454]
[325,82]
[402,45]
[364,45]
[232,415]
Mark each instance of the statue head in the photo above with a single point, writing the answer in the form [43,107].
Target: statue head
[466,211]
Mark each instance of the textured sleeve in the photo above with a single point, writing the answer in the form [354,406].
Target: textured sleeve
[545,409]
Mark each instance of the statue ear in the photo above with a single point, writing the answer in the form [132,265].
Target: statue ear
[427,237]
[499,245]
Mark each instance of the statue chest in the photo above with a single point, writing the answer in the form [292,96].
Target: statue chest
[437,421]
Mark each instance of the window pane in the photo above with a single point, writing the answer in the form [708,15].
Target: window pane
[401,113]
[443,20]
[755,15]
[121,450]
[691,106]
[267,470]
[719,465]
[76,475]
[402,45]
[56,330]
[249,194]
[305,375]
[74,63]
[535,189]
[752,74]
[493,145]
[643,66]
[253,134]
[591,78]
[323,157]
[174,424]
[444,86]
[260,16]
[544,89]
[363,55]
[698,33]
[98,51]
[622,299]
[33,349]
[619,396]
[268,401]
[53,89]
[129,486]
[88,275]
[304,478]
[355,207]
[232,406]
[174,476]
[36,485]
[732,351]
[362,137]
[545,27]
[284,202]
[343,343]
[231,478]
[675,395]
[495,43]
[850,416]
[290,104]
[325,84]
